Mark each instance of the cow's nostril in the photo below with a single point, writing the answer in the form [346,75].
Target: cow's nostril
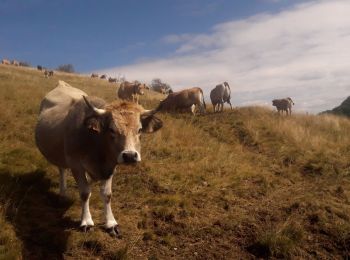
[130,157]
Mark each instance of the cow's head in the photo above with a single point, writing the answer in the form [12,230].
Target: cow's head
[118,128]
[290,100]
[274,102]
[139,88]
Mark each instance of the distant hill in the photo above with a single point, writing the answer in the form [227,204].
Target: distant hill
[342,109]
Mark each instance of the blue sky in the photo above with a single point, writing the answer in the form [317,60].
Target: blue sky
[101,34]
[265,49]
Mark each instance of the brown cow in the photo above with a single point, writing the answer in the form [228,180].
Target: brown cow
[131,91]
[90,137]
[94,75]
[104,76]
[6,62]
[185,100]
[284,104]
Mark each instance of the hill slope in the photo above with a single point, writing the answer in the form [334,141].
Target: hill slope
[343,109]
[241,184]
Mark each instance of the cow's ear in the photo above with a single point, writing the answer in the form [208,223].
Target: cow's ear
[93,124]
[150,123]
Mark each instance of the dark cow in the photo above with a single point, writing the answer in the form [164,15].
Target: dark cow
[112,80]
[284,104]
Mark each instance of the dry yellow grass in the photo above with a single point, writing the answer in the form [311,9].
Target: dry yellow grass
[241,184]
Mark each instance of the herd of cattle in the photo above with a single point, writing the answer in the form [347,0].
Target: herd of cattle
[8,62]
[192,99]
[110,79]
[89,136]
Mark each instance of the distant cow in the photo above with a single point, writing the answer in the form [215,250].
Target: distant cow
[104,76]
[48,73]
[94,75]
[219,95]
[15,63]
[284,104]
[185,100]
[90,137]
[6,62]
[39,67]
[112,80]
[131,90]
[162,90]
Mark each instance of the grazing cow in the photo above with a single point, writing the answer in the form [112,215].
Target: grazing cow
[131,90]
[184,100]
[104,76]
[284,104]
[6,62]
[88,136]
[39,67]
[112,80]
[219,95]
[15,63]
[94,75]
[48,73]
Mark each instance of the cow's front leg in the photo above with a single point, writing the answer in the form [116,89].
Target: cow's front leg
[85,193]
[106,193]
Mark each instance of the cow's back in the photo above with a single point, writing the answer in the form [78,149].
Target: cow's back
[181,100]
[49,132]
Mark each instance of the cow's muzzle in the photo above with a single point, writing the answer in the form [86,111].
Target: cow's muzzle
[129,157]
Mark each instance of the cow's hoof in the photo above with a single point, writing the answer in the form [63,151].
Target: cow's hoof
[114,231]
[86,228]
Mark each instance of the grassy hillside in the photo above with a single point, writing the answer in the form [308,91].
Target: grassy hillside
[343,109]
[242,184]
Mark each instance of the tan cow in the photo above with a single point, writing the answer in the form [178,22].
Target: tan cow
[5,62]
[15,63]
[94,75]
[284,104]
[184,100]
[90,137]
[219,95]
[131,91]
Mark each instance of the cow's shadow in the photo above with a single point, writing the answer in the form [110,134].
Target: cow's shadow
[36,213]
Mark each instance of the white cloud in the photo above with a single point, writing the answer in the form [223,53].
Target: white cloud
[302,52]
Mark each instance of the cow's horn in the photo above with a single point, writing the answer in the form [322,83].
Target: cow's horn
[95,109]
[149,112]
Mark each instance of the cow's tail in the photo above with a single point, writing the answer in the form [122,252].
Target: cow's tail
[204,105]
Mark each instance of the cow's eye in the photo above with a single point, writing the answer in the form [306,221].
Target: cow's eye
[112,131]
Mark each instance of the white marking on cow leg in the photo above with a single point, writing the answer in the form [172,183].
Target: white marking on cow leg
[106,193]
[193,109]
[85,193]
[63,182]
